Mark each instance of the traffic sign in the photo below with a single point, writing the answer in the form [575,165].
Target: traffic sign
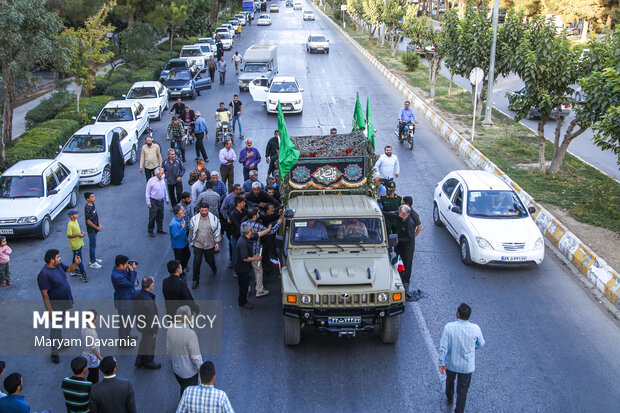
[476,75]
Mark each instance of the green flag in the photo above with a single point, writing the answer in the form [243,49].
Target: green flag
[370,129]
[288,155]
[358,115]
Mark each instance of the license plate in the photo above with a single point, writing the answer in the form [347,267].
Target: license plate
[287,107]
[6,231]
[344,320]
[514,259]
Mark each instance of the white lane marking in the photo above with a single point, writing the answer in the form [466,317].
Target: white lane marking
[432,351]
[322,70]
[327,83]
[334,100]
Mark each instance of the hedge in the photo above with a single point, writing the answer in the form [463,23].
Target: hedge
[49,108]
[90,106]
[117,90]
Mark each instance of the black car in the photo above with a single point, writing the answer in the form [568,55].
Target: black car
[176,64]
[184,83]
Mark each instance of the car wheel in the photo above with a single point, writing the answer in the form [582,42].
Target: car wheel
[390,329]
[465,255]
[133,156]
[292,331]
[159,115]
[106,177]
[193,95]
[436,217]
[198,92]
[46,227]
[74,199]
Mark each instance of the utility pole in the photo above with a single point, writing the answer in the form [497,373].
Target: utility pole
[488,114]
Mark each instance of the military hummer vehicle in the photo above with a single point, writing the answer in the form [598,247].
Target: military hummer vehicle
[337,273]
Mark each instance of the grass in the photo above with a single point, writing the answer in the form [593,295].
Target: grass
[585,193]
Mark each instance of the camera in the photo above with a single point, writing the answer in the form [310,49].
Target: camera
[133,263]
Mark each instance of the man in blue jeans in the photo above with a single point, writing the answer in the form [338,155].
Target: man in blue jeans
[93,227]
[235,108]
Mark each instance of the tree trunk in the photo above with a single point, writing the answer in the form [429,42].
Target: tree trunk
[560,154]
[8,90]
[131,20]
[450,84]
[584,32]
[433,67]
[558,131]
[542,144]
[78,92]
[479,97]
[382,34]
[171,37]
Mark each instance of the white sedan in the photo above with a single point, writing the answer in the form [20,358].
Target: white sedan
[284,89]
[487,219]
[129,115]
[263,20]
[152,95]
[88,152]
[308,15]
[33,193]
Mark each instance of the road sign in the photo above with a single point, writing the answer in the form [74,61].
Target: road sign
[476,75]
[343,7]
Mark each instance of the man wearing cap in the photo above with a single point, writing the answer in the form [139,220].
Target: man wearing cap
[390,203]
[175,129]
[271,151]
[200,166]
[227,164]
[249,157]
[247,185]
[75,235]
[387,165]
[202,132]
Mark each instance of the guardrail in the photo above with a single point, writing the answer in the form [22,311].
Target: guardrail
[601,274]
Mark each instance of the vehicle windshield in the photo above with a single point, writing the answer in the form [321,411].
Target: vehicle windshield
[495,204]
[284,87]
[115,115]
[205,48]
[21,186]
[255,67]
[142,93]
[337,231]
[85,144]
[264,16]
[191,52]
[224,36]
[318,39]
[308,12]
[175,63]
[179,75]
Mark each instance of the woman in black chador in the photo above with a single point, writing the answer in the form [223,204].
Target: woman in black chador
[117,162]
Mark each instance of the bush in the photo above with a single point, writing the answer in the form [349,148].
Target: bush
[411,60]
[117,90]
[49,108]
[89,107]
[143,75]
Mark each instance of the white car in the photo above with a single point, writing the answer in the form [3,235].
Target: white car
[297,6]
[88,152]
[33,193]
[308,15]
[194,54]
[263,20]
[487,219]
[152,95]
[234,23]
[241,19]
[206,51]
[282,88]
[230,28]
[129,115]
[227,40]
[317,43]
[209,41]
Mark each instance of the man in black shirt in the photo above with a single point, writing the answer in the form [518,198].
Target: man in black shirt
[175,290]
[145,307]
[409,229]
[178,108]
[220,47]
[271,151]
[76,388]
[236,216]
[93,227]
[243,264]
[261,198]
[235,108]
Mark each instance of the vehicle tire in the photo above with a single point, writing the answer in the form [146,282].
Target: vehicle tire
[436,217]
[46,227]
[133,156]
[292,331]
[106,177]
[198,92]
[159,115]
[465,255]
[410,140]
[390,329]
[74,199]
[193,95]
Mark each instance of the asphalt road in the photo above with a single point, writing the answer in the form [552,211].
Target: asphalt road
[550,346]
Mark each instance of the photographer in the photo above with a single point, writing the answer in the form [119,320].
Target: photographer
[124,279]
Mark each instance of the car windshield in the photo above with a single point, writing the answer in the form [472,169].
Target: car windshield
[21,186]
[337,231]
[85,144]
[264,16]
[191,52]
[318,39]
[284,87]
[142,93]
[255,67]
[308,12]
[179,75]
[115,115]
[495,204]
[205,48]
[175,63]
[224,36]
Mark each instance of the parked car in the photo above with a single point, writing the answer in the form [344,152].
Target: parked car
[209,41]
[297,6]
[274,9]
[152,95]
[206,51]
[88,152]
[241,19]
[308,15]
[175,64]
[182,83]
[487,219]
[195,54]
[33,193]
[230,28]
[317,43]
[129,115]
[289,3]
[282,88]
[534,113]
[420,49]
[227,40]
[263,20]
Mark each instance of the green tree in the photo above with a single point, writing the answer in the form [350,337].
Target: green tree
[134,10]
[392,14]
[29,34]
[136,45]
[74,12]
[197,17]
[89,48]
[569,11]
[372,14]
[168,15]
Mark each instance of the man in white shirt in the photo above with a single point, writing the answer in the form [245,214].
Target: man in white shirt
[184,350]
[387,165]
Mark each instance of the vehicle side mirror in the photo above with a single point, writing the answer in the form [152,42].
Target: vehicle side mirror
[94,118]
[392,240]
[456,209]
[52,192]
[328,41]
[139,117]
[301,89]
[124,96]
[60,147]
[531,210]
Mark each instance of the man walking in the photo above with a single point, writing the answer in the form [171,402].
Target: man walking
[222,66]
[76,388]
[150,157]
[243,264]
[237,60]
[123,279]
[178,236]
[205,238]
[457,355]
[387,165]
[198,187]
[75,235]
[227,164]
[202,132]
[408,230]
[219,48]
[205,398]
[175,290]
[56,291]
[184,350]
[112,394]
[235,107]
[249,157]
[260,230]
[156,195]
[93,227]
[271,151]
[175,170]
[144,306]
[211,64]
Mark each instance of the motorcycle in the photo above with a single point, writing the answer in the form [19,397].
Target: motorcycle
[188,130]
[223,133]
[407,135]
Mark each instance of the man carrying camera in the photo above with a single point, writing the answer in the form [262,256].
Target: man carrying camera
[123,279]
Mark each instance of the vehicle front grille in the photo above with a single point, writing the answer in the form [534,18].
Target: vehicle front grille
[513,246]
[344,300]
[8,221]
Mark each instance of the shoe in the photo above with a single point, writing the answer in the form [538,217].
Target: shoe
[151,234]
[417,295]
[152,366]
[9,283]
[408,296]
[75,274]
[194,285]
[55,358]
[240,136]
[99,260]
[262,293]
[83,278]
[249,291]
[247,305]
[138,365]
[161,232]
[95,265]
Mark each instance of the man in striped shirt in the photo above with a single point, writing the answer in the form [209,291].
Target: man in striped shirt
[205,398]
[76,388]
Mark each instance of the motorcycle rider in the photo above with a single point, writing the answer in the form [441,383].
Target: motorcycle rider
[405,116]
[188,118]
[222,115]
[177,108]
[175,129]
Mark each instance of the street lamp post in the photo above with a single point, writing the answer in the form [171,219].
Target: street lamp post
[489,108]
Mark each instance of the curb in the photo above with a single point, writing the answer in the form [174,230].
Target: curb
[601,274]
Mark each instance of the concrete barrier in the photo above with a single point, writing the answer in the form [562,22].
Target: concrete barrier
[601,274]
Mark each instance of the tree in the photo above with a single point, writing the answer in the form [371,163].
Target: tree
[29,34]
[89,49]
[569,11]
[392,14]
[136,45]
[74,12]
[133,10]
[372,14]
[196,21]
[168,15]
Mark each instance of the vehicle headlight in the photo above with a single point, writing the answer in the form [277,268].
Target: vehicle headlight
[483,243]
[306,299]
[272,102]
[27,220]
[297,102]
[187,88]
[89,171]
[382,297]
[539,243]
